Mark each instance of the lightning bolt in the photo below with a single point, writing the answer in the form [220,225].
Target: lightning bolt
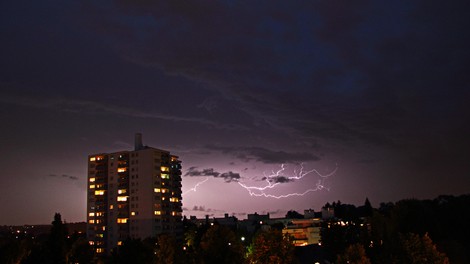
[297,175]
[195,187]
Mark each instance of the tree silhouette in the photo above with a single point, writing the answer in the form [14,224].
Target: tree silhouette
[220,245]
[133,251]
[57,243]
[294,215]
[271,247]
[80,252]
[168,251]
[417,250]
[354,254]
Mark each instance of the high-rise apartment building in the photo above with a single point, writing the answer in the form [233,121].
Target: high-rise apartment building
[132,194]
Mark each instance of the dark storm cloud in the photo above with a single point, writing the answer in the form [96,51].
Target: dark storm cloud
[199,208]
[359,72]
[202,208]
[278,179]
[239,214]
[384,83]
[230,176]
[192,171]
[276,212]
[210,172]
[265,155]
[64,176]
[94,107]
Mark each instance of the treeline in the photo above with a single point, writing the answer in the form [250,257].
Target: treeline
[207,243]
[408,231]
[56,247]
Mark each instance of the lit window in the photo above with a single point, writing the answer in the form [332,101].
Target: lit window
[157,212]
[99,158]
[91,243]
[133,213]
[122,198]
[163,198]
[165,176]
[122,220]
[92,159]
[165,168]
[122,191]
[173,213]
[119,243]
[157,190]
[164,190]
[104,228]
[111,207]
[92,179]
[174,199]
[91,221]
[91,214]
[99,192]
[92,186]
[99,250]
[122,169]
[99,214]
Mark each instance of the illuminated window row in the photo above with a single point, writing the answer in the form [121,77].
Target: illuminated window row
[122,198]
[165,176]
[96,158]
[99,192]
[174,199]
[121,169]
[122,220]
[165,169]
[122,191]
[163,190]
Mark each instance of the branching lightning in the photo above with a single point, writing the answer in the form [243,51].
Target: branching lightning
[195,187]
[274,179]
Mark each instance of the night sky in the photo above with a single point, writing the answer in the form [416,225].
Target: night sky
[373,95]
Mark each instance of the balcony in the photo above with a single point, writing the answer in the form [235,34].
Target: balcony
[101,167]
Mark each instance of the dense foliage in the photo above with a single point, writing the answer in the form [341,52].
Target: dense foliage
[271,247]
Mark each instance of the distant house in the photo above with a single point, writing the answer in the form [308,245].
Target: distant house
[304,231]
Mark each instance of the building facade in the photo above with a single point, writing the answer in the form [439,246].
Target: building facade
[304,231]
[132,194]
